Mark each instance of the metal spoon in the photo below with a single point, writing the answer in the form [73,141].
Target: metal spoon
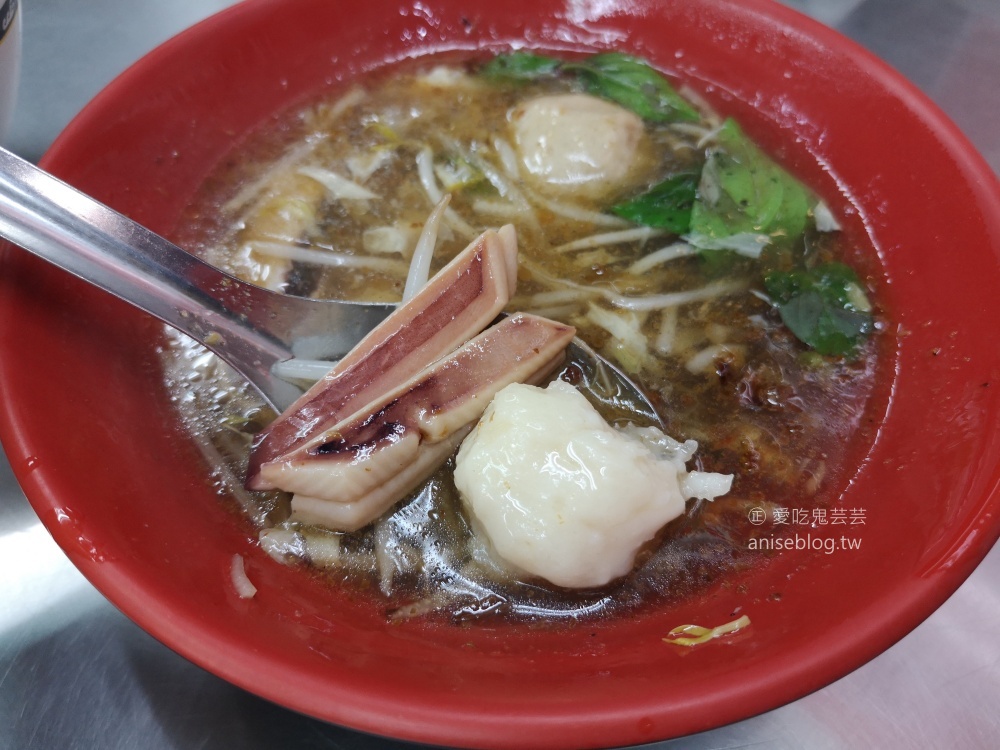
[251,328]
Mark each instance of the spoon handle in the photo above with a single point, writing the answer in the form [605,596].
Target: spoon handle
[76,233]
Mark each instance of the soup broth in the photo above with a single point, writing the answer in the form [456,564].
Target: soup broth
[329,200]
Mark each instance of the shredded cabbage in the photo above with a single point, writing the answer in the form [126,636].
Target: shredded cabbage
[663,255]
[302,370]
[323,257]
[693,635]
[824,218]
[638,234]
[425,171]
[337,185]
[420,264]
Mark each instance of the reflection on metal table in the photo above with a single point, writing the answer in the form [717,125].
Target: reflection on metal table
[74,672]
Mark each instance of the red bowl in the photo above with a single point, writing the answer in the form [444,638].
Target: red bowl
[93,439]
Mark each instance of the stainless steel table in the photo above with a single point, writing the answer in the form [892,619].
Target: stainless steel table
[75,673]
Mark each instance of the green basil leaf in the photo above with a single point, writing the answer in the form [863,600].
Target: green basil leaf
[520,66]
[635,85]
[743,193]
[825,307]
[667,205]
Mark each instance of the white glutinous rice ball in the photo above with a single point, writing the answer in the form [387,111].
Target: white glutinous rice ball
[561,494]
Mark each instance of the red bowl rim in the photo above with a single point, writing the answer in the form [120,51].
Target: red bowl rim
[908,611]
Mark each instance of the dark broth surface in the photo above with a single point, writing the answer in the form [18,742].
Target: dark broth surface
[721,369]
